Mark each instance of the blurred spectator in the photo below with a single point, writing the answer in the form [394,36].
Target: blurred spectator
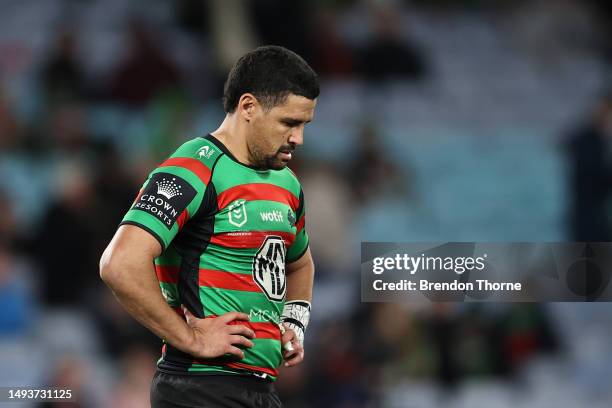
[329,216]
[443,333]
[548,33]
[332,55]
[17,297]
[371,172]
[286,23]
[527,331]
[339,381]
[590,182]
[117,328]
[67,129]
[62,75]
[8,222]
[64,243]
[133,387]
[146,71]
[10,128]
[71,373]
[603,12]
[114,193]
[232,31]
[191,15]
[387,55]
[291,384]
[17,287]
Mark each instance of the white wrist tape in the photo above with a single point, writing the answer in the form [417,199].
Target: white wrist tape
[296,315]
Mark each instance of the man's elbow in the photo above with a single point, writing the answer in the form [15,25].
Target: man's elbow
[110,267]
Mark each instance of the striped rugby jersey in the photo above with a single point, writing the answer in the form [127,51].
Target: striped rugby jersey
[227,230]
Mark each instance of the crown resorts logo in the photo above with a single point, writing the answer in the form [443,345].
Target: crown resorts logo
[165,197]
[168,188]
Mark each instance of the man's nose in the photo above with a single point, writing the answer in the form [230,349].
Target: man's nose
[297,135]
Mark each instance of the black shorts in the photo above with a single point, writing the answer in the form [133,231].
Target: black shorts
[172,390]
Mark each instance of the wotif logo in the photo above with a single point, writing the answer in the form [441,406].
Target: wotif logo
[168,188]
[271,216]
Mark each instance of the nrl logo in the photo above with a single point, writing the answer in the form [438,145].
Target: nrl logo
[205,152]
[237,213]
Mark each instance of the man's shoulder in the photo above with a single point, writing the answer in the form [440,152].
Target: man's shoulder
[290,174]
[292,181]
[200,149]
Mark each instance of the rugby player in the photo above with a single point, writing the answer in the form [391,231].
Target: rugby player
[213,256]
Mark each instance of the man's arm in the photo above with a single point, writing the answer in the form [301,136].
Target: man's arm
[127,267]
[300,276]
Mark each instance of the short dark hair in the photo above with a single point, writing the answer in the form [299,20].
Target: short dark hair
[270,73]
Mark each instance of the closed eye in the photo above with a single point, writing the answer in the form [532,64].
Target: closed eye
[291,122]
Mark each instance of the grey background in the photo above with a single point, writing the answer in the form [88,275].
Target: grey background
[548,272]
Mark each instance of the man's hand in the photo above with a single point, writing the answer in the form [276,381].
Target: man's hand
[295,356]
[215,337]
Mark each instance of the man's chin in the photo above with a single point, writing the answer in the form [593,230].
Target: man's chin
[279,165]
[276,164]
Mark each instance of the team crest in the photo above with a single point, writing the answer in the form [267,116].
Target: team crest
[205,152]
[269,268]
[237,213]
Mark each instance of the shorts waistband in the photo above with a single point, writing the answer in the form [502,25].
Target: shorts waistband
[248,381]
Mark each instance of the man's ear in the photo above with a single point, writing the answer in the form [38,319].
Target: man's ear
[248,106]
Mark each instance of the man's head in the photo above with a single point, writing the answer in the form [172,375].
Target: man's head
[273,91]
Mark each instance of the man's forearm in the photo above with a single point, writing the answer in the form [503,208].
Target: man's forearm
[296,312]
[137,289]
[300,278]
[299,285]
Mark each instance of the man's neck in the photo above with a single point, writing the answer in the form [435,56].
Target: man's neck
[231,134]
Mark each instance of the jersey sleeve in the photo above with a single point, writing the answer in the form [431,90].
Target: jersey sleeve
[171,195]
[300,244]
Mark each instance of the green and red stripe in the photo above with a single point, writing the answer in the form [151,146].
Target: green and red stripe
[227,280]
[270,371]
[263,330]
[258,191]
[167,274]
[194,165]
[182,219]
[300,224]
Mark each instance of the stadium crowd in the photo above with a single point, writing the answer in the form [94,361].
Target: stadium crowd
[425,112]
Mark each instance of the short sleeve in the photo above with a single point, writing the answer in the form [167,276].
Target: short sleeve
[171,195]
[300,243]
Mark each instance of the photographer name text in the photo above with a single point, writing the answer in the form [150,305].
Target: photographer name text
[422,263]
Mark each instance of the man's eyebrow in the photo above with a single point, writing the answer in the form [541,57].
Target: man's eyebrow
[293,121]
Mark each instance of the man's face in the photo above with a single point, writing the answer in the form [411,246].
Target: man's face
[275,133]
